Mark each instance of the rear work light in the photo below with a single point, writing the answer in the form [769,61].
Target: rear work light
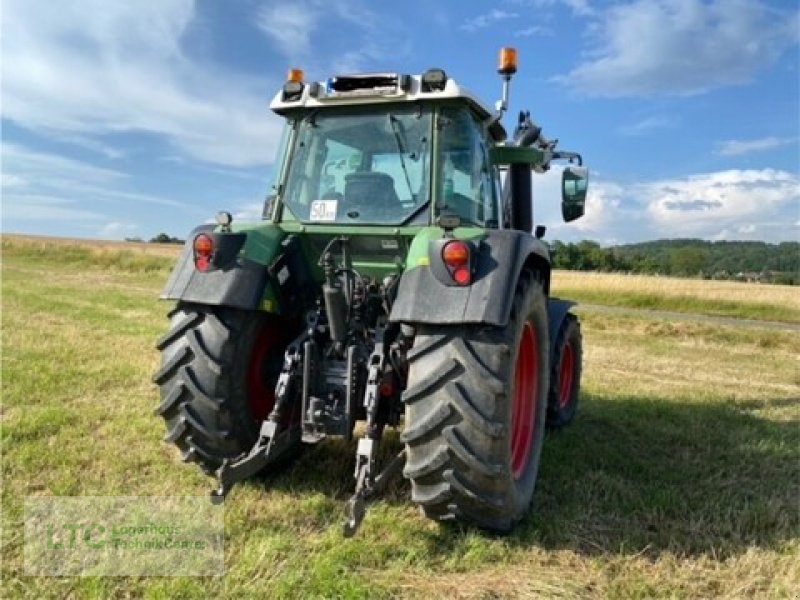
[456,256]
[203,251]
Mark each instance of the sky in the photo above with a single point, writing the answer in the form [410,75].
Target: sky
[127,119]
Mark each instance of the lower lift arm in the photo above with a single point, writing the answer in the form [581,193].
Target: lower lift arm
[273,438]
[366,483]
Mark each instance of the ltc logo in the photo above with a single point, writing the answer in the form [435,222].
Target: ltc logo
[71,533]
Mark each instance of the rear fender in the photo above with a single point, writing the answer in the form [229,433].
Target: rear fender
[252,269]
[424,296]
[557,311]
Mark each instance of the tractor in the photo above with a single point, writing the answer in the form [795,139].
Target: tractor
[395,279]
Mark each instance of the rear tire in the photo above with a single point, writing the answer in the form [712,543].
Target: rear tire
[565,374]
[475,415]
[218,371]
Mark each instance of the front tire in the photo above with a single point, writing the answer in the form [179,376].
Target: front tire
[476,404]
[218,371]
[565,376]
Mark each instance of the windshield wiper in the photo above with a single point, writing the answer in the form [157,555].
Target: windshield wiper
[415,213]
[396,125]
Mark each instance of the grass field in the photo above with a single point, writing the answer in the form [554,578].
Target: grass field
[720,298]
[680,477]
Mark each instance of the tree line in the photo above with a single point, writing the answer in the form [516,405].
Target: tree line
[751,261]
[161,238]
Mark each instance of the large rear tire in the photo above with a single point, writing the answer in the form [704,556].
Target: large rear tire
[476,405]
[565,374]
[217,378]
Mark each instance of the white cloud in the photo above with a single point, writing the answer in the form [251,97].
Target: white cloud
[45,179]
[604,208]
[603,203]
[739,147]
[93,68]
[249,211]
[485,20]
[289,25]
[33,207]
[580,8]
[300,31]
[705,203]
[647,125]
[680,47]
[12,181]
[115,230]
[88,143]
[534,30]
[21,163]
[733,204]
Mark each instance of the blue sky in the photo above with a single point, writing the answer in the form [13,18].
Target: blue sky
[126,119]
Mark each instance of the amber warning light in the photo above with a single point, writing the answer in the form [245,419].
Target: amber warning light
[507,65]
[295,75]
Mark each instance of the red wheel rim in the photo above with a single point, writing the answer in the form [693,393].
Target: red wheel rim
[523,410]
[261,391]
[566,375]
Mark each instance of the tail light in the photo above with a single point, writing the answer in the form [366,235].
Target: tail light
[203,251]
[456,256]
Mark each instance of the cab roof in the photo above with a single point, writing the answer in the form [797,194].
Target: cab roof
[365,89]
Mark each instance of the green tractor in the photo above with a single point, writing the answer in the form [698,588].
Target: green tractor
[393,279]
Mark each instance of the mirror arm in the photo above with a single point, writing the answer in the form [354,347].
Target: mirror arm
[563,155]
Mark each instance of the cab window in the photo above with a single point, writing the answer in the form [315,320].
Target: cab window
[466,178]
[360,165]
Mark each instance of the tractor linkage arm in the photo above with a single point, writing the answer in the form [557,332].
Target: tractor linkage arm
[368,485]
[271,438]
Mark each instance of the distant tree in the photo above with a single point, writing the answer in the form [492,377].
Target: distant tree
[689,260]
[589,255]
[566,256]
[684,257]
[644,263]
[163,238]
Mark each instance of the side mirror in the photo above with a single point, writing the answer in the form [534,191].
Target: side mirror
[574,184]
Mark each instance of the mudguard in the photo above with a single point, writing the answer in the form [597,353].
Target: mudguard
[423,298]
[270,283]
[557,310]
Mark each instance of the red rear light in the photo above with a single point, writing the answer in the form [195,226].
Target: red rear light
[462,276]
[203,249]
[203,245]
[456,256]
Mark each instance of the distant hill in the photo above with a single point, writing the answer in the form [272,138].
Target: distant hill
[760,261]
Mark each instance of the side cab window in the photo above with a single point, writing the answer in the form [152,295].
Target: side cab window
[468,182]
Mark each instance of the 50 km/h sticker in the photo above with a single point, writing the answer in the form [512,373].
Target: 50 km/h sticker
[323,210]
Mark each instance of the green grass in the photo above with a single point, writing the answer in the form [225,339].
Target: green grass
[685,304]
[85,256]
[679,478]
[715,298]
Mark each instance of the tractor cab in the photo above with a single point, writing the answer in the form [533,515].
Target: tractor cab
[387,149]
[394,149]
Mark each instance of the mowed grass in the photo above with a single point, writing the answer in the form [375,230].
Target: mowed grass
[680,477]
[720,298]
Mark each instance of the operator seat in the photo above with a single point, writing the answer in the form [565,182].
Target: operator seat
[371,194]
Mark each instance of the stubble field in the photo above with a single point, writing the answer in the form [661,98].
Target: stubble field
[680,477]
